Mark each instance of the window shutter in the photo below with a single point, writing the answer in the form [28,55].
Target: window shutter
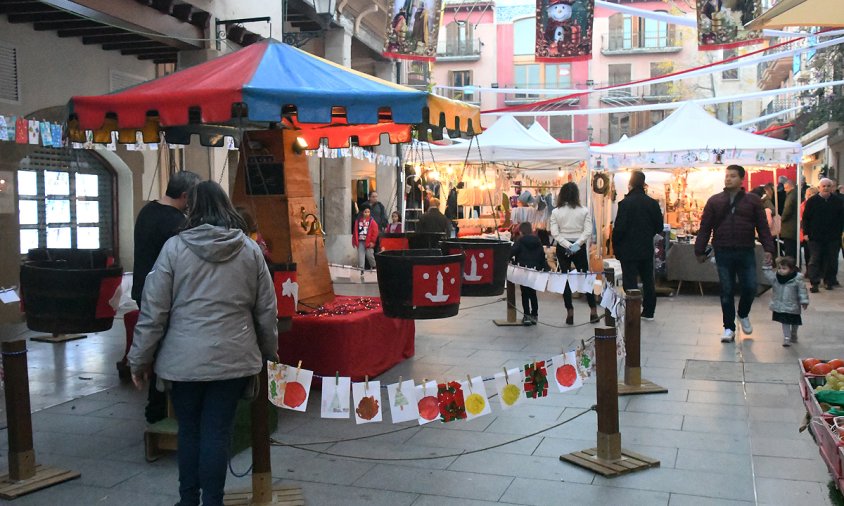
[635,31]
[9,87]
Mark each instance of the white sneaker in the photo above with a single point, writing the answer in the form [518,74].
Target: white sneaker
[746,327]
[648,318]
[786,342]
[729,336]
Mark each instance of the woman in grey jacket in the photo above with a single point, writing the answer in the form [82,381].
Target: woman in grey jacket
[207,322]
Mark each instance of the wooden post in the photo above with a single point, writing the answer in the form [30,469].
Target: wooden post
[19,419]
[24,475]
[609,438]
[511,308]
[262,479]
[609,277]
[633,382]
[608,458]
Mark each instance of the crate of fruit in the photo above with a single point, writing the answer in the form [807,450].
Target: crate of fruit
[828,438]
[813,372]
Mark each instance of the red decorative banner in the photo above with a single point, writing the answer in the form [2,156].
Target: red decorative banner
[720,23]
[412,29]
[477,267]
[286,293]
[436,285]
[564,30]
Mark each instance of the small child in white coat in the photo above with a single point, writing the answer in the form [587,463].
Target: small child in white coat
[789,297]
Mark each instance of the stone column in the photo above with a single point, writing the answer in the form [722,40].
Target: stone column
[337,173]
[386,176]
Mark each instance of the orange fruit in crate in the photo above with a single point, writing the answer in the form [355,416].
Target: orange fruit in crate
[821,369]
[835,363]
[808,363]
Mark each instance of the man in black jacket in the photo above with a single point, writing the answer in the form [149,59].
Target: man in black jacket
[733,218]
[823,221]
[638,220]
[433,220]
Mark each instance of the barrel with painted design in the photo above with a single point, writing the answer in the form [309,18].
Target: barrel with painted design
[419,284]
[485,267]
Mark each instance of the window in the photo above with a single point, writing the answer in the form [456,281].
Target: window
[459,39]
[558,75]
[460,78]
[524,36]
[659,69]
[619,125]
[560,127]
[527,76]
[731,74]
[633,32]
[619,73]
[729,113]
[65,201]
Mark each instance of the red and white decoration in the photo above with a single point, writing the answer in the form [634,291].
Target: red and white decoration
[436,285]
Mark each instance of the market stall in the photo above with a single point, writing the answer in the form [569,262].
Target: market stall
[685,156]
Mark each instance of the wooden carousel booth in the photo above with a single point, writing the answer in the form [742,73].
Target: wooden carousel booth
[274,87]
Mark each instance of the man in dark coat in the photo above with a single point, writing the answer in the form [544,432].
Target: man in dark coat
[434,221]
[638,220]
[379,212]
[823,221]
[788,230]
[733,218]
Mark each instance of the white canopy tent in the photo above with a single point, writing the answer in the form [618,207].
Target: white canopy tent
[508,142]
[691,137]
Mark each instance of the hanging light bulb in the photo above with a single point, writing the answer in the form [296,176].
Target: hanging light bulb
[449,170]
[560,173]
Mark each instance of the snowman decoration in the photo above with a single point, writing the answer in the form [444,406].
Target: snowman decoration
[560,30]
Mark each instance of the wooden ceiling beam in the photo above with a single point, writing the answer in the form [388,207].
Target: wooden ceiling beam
[94,29]
[134,44]
[115,37]
[157,51]
[47,16]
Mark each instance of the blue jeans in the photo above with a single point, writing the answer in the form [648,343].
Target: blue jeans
[733,263]
[205,410]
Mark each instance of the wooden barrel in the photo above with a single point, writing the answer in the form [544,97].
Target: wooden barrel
[60,297]
[485,267]
[419,284]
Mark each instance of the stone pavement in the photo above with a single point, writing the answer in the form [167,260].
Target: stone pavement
[725,433]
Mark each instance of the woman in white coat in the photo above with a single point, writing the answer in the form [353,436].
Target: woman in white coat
[571,227]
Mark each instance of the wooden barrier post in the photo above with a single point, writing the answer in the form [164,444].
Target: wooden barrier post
[511,308]
[608,458]
[24,475]
[633,382]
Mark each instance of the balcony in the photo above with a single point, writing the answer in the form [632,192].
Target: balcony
[470,97]
[615,44]
[771,74]
[530,96]
[459,50]
[620,97]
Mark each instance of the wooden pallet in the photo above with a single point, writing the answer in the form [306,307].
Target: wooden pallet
[44,477]
[160,438]
[507,323]
[57,338]
[628,463]
[282,495]
[645,387]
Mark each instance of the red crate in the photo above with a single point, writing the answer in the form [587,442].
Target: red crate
[828,446]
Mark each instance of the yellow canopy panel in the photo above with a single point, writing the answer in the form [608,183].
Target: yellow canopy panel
[826,13]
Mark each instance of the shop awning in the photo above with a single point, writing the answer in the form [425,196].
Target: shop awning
[826,13]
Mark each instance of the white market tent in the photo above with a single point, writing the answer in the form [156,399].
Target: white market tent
[691,137]
[508,142]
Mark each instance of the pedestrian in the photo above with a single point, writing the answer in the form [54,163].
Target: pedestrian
[209,309]
[158,221]
[434,221]
[781,194]
[637,221]
[823,222]
[733,218]
[365,237]
[571,227]
[788,298]
[254,233]
[788,229]
[528,252]
[378,211]
[395,225]
[809,192]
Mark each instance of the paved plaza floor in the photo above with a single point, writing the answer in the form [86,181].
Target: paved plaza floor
[725,433]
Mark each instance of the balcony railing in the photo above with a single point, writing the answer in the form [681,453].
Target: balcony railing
[516,98]
[615,43]
[459,49]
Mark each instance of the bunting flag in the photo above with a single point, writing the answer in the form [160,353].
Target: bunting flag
[412,29]
[720,23]
[564,30]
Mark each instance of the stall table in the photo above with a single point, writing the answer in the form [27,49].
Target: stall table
[357,344]
[682,265]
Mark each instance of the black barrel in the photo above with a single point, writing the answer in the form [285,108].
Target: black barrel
[485,267]
[62,297]
[419,284]
[424,240]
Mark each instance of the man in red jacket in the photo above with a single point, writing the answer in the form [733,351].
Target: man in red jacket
[733,218]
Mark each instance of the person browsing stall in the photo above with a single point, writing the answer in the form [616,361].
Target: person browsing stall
[732,219]
[209,309]
[823,222]
[528,252]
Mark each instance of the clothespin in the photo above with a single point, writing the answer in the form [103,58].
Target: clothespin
[298,368]
[469,379]
[366,383]
[399,387]
[506,376]
[337,378]
[424,387]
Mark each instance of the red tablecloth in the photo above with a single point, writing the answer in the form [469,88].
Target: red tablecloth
[356,344]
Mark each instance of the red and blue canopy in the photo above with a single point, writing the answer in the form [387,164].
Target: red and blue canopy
[268,82]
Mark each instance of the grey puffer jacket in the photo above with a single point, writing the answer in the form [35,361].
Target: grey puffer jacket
[208,307]
[786,298]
